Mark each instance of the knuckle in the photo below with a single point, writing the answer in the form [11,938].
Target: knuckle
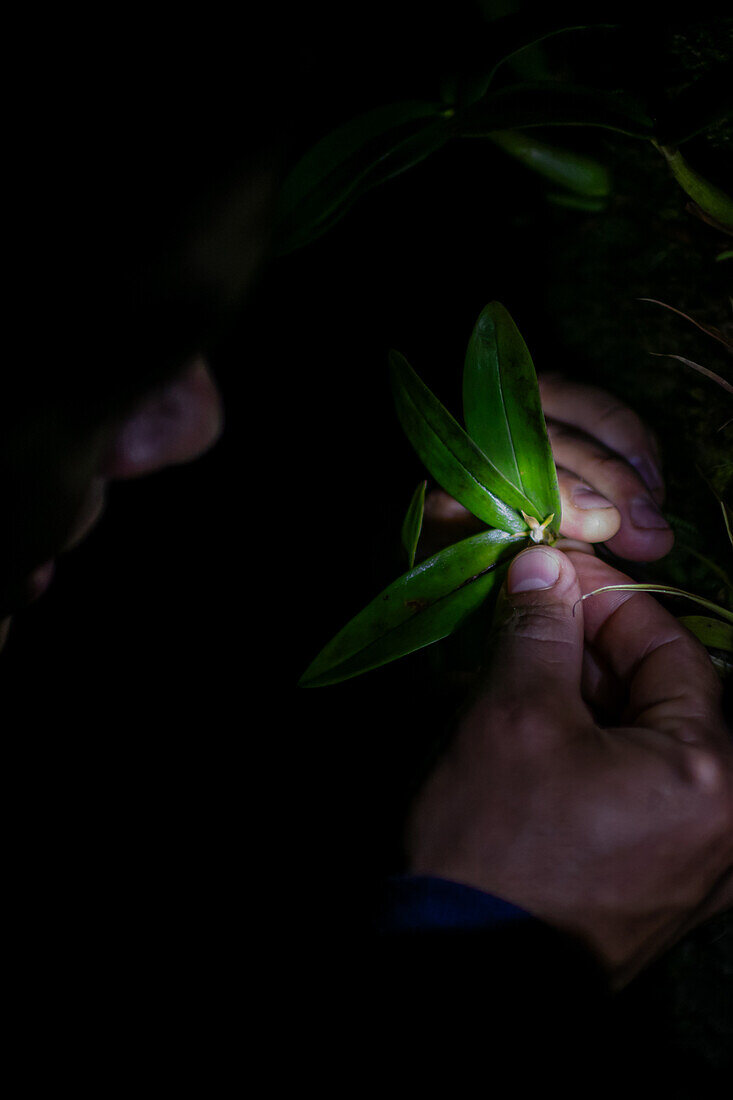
[709,773]
[621,421]
[613,466]
[545,623]
[523,720]
[557,430]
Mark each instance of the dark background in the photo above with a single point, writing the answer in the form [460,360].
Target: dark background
[173,785]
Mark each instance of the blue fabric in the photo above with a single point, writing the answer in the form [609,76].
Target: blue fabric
[417,903]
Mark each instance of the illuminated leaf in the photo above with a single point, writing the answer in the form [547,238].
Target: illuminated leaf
[580,174]
[419,608]
[503,411]
[451,456]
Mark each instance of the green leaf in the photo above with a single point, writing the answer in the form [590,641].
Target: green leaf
[351,160]
[550,104]
[695,366]
[579,174]
[711,632]
[665,590]
[412,526]
[503,411]
[421,607]
[706,195]
[451,456]
[503,39]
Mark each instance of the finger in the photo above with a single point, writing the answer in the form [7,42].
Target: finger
[607,419]
[670,680]
[574,544]
[586,515]
[537,652]
[644,534]
[601,689]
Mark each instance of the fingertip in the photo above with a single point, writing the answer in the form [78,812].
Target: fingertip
[587,515]
[649,471]
[591,525]
[539,569]
[635,544]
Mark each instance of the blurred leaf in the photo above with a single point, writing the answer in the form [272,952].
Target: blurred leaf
[419,608]
[709,329]
[503,39]
[698,107]
[711,632]
[503,412]
[551,104]
[727,255]
[711,200]
[664,590]
[695,366]
[350,161]
[451,456]
[412,526]
[580,174]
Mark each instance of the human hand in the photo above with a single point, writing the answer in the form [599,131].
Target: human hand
[620,834]
[608,473]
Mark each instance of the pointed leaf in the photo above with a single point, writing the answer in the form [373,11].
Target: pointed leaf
[451,456]
[412,526]
[501,40]
[706,195]
[664,590]
[709,329]
[503,411]
[580,174]
[419,608]
[711,632]
[351,160]
[695,366]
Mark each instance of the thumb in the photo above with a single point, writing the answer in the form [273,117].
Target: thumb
[537,650]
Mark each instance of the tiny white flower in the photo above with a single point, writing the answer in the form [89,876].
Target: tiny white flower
[537,530]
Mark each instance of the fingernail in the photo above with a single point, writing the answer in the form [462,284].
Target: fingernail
[645,514]
[649,472]
[533,570]
[584,497]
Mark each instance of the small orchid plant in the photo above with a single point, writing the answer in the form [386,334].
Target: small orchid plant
[501,468]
